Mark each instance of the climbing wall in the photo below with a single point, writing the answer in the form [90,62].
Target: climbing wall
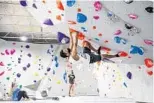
[38,67]
[125,81]
[120,26]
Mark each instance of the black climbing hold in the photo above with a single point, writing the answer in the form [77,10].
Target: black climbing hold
[149,9]
[128,26]
[128,1]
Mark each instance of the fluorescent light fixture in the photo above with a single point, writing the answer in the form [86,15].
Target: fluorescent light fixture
[23,38]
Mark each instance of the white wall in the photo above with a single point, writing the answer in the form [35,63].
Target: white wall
[86,85]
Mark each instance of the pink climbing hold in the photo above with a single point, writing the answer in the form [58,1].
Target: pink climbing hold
[96,17]
[1,64]
[2,54]
[1,73]
[149,42]
[7,52]
[98,5]
[117,32]
[12,51]
[133,16]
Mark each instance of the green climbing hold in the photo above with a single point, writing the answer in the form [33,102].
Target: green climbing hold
[20,86]
[8,78]
[8,64]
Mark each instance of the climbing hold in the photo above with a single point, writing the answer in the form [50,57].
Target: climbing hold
[80,36]
[98,5]
[96,17]
[27,46]
[57,64]
[106,41]
[56,58]
[8,78]
[65,77]
[23,3]
[14,43]
[125,84]
[34,5]
[59,5]
[129,75]
[8,64]
[28,65]
[122,54]
[148,42]
[44,1]
[24,68]
[81,18]
[7,52]
[150,73]
[79,10]
[48,22]
[99,34]
[136,50]
[62,38]
[18,75]
[128,26]
[94,27]
[70,3]
[58,17]
[149,9]
[58,82]
[53,72]
[12,51]
[1,73]
[133,16]
[118,32]
[96,39]
[1,64]
[120,40]
[29,55]
[148,62]
[2,54]
[48,69]
[128,1]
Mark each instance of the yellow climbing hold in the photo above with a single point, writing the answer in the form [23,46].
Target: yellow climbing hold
[58,82]
[35,74]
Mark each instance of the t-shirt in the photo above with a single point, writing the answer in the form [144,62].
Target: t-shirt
[71,78]
[15,94]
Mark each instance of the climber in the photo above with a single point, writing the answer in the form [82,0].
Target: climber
[72,53]
[17,94]
[71,77]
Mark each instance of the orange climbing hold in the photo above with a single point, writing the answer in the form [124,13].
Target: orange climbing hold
[43,1]
[72,30]
[58,17]
[59,5]
[94,27]
[148,62]
[106,41]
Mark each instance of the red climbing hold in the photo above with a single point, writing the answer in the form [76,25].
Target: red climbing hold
[81,36]
[123,54]
[150,72]
[59,5]
[148,62]
[106,49]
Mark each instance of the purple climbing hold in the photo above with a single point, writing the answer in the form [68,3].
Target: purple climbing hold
[48,22]
[62,38]
[51,46]
[18,75]
[27,46]
[48,69]
[28,65]
[34,81]
[29,55]
[24,68]
[23,3]
[129,75]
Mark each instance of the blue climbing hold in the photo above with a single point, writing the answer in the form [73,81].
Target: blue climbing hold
[56,58]
[120,40]
[65,77]
[81,18]
[56,64]
[136,50]
[70,3]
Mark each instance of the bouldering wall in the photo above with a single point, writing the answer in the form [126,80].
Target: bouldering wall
[38,67]
[125,81]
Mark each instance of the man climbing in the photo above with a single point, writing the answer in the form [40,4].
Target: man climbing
[72,53]
[71,77]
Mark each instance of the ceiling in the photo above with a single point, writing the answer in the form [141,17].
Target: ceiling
[17,20]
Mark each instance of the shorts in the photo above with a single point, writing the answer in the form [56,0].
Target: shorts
[71,82]
[93,57]
[22,94]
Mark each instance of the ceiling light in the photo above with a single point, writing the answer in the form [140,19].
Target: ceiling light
[23,38]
